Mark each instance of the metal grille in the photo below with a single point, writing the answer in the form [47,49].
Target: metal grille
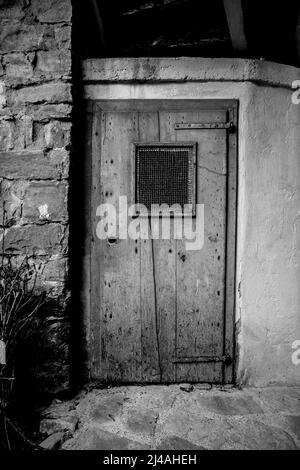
[165,174]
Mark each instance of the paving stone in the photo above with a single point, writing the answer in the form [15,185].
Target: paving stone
[58,408]
[53,442]
[230,405]
[107,409]
[253,434]
[97,439]
[294,422]
[280,399]
[139,417]
[179,420]
[176,443]
[140,421]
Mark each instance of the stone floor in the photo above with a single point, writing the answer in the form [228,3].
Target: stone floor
[178,417]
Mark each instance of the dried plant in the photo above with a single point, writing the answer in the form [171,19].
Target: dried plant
[19,301]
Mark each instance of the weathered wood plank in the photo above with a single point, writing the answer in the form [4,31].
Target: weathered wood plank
[195,332]
[95,300]
[85,275]
[200,278]
[150,338]
[120,262]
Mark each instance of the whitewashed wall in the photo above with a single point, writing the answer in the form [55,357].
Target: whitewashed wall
[268,235]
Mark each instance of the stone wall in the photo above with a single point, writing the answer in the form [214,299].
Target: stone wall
[35,138]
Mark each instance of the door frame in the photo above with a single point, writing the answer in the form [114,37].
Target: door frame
[90,294]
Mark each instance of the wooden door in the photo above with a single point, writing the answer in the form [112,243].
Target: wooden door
[158,312]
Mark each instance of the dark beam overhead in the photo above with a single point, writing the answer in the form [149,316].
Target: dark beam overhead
[235,20]
[211,28]
[100,27]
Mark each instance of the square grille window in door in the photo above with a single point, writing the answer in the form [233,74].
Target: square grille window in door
[166,174]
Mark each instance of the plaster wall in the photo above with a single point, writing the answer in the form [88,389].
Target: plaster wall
[267,314]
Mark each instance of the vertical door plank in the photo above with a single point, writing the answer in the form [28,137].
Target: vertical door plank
[150,335]
[201,274]
[95,300]
[165,253]
[120,263]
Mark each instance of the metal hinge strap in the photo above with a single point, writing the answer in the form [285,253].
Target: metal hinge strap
[186,360]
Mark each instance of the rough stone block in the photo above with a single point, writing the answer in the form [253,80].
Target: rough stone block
[45,201]
[37,240]
[203,386]
[45,112]
[10,195]
[15,134]
[19,64]
[57,61]
[33,165]
[53,442]
[56,270]
[57,134]
[54,92]
[16,36]
[63,424]
[22,135]
[6,133]
[60,159]
[3,99]
[52,11]
[38,135]
[63,36]
[13,10]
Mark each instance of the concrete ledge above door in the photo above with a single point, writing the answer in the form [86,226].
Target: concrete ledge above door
[188,69]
